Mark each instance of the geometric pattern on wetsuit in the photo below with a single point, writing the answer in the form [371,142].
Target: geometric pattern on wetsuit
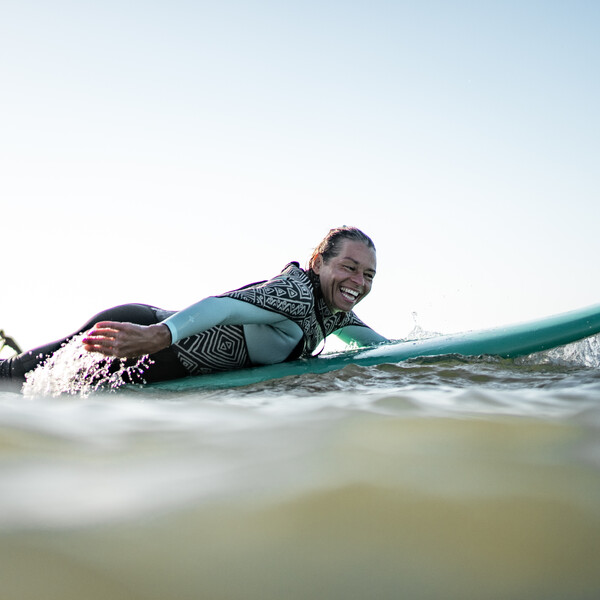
[221,348]
[290,293]
[296,296]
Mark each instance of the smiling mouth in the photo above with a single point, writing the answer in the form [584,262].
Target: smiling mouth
[348,294]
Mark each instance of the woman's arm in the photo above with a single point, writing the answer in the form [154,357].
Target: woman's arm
[214,311]
[363,336]
[127,340]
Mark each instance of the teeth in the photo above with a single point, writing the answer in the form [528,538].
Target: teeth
[350,292]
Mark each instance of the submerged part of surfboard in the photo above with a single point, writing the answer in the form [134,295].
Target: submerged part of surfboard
[507,342]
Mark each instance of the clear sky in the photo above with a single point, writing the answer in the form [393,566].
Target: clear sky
[163,151]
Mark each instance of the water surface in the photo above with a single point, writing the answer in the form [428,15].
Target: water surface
[434,478]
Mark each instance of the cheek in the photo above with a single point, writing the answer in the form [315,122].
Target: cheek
[328,277]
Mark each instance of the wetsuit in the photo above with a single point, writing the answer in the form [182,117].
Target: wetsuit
[166,365]
[264,323]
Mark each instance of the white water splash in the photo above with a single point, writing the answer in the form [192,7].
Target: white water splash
[75,371]
[585,353]
[417,332]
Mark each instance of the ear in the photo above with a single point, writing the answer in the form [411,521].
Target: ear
[317,263]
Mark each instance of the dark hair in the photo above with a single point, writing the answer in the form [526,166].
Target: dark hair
[330,246]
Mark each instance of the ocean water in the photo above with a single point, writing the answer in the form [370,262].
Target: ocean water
[437,478]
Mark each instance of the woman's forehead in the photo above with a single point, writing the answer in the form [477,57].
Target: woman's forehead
[359,252]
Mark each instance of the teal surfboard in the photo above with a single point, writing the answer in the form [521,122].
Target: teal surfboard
[507,342]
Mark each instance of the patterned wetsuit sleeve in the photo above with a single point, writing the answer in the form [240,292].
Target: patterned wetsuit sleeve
[214,311]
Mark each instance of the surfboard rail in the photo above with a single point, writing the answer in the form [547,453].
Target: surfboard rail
[507,342]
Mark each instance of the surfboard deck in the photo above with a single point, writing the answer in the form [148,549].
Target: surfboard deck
[506,342]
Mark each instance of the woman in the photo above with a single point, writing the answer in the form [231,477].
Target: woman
[263,323]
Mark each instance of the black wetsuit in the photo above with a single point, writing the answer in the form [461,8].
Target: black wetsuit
[272,321]
[165,363]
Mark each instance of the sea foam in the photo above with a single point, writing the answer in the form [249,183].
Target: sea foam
[72,370]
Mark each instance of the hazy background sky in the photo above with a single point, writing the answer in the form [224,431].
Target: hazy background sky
[163,151]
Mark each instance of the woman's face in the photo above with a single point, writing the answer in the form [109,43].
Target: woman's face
[346,278]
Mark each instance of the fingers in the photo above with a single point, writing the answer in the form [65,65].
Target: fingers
[105,349]
[99,342]
[111,329]
[108,338]
[125,340]
[111,326]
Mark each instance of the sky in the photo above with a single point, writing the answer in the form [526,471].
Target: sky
[164,151]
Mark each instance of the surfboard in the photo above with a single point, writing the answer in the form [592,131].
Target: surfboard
[506,342]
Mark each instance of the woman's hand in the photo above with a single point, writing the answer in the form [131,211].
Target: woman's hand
[126,340]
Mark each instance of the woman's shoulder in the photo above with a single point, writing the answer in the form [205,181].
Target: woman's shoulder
[295,273]
[289,293]
[292,285]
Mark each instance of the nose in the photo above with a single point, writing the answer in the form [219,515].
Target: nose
[358,278]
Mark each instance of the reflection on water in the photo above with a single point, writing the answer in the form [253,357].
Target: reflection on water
[434,478]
